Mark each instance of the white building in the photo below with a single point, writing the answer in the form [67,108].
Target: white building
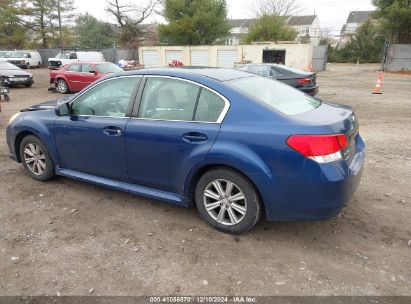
[354,21]
[307,27]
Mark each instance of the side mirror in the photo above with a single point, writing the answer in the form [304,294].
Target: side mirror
[93,72]
[63,109]
[29,55]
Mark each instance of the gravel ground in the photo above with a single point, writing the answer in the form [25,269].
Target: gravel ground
[67,237]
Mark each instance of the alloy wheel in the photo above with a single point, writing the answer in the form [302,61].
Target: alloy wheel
[62,86]
[35,158]
[225,202]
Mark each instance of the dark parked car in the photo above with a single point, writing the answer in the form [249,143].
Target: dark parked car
[14,76]
[228,142]
[76,76]
[303,81]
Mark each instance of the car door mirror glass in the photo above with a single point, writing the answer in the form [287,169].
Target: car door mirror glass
[63,109]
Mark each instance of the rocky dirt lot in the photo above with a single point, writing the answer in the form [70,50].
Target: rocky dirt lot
[71,238]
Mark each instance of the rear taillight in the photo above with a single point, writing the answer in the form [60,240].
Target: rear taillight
[320,148]
[304,81]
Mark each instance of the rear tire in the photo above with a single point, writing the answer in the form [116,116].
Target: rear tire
[228,201]
[62,86]
[36,159]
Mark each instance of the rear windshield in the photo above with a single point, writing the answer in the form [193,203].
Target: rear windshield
[108,68]
[275,94]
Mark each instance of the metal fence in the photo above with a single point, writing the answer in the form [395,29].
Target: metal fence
[110,55]
[320,57]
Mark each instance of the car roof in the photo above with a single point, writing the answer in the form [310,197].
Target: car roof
[219,74]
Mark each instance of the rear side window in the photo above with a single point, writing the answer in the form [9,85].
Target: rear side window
[276,95]
[210,106]
[74,68]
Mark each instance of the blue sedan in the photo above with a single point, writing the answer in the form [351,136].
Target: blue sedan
[232,144]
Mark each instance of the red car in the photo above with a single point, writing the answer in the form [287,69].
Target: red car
[76,76]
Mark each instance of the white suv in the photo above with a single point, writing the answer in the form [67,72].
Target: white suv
[25,59]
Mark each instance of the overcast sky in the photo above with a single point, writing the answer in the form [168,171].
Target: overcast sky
[331,13]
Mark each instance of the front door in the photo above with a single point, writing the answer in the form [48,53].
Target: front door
[91,138]
[176,125]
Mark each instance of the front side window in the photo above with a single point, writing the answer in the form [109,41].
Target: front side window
[276,95]
[74,68]
[168,99]
[110,98]
[87,68]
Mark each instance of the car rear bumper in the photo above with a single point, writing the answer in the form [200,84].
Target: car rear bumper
[311,90]
[319,192]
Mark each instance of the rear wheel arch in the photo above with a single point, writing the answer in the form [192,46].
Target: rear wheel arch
[201,171]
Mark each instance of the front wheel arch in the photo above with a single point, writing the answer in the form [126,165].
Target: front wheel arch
[17,143]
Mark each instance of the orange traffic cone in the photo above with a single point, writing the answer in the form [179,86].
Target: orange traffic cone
[378,86]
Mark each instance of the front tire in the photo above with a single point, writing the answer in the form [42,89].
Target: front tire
[228,201]
[36,159]
[62,86]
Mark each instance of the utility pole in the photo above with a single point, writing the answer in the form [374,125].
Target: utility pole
[61,31]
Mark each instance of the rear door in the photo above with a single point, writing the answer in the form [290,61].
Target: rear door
[88,75]
[171,130]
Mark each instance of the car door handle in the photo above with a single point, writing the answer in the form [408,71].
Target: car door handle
[112,131]
[194,137]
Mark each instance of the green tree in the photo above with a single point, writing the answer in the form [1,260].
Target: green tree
[49,20]
[13,31]
[194,22]
[366,45]
[395,19]
[93,33]
[270,28]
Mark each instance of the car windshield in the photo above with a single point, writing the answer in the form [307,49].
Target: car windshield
[4,54]
[108,68]
[8,66]
[63,55]
[276,95]
[18,55]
